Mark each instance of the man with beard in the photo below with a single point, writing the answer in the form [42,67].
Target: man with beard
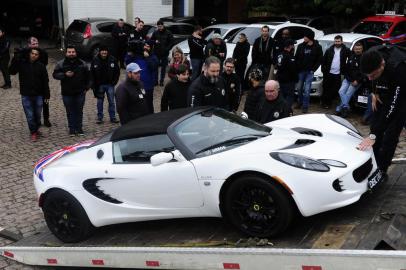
[130,96]
[104,71]
[163,39]
[272,106]
[209,88]
[120,36]
[74,76]
[332,67]
[233,84]
[196,44]
[176,90]
[262,52]
[34,87]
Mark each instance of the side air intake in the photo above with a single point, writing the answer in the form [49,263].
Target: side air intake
[308,131]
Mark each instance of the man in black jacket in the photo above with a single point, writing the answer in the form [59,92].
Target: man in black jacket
[209,88]
[196,44]
[386,68]
[5,59]
[105,72]
[233,84]
[130,96]
[272,106]
[308,57]
[332,67]
[353,78]
[163,39]
[240,56]
[74,76]
[176,90]
[120,35]
[34,87]
[216,47]
[262,52]
[286,71]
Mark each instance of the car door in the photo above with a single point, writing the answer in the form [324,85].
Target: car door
[137,182]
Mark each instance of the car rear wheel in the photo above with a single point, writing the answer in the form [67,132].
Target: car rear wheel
[65,217]
[258,206]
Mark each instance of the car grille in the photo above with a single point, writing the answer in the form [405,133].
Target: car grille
[363,171]
[308,131]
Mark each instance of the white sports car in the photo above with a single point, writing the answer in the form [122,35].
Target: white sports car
[205,162]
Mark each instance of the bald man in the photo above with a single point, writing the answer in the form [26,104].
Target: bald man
[272,106]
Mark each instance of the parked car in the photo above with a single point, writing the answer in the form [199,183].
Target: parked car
[180,31]
[265,19]
[327,24]
[195,20]
[89,33]
[225,30]
[205,162]
[253,31]
[349,40]
[392,28]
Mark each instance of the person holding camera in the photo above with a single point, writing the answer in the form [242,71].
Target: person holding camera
[104,72]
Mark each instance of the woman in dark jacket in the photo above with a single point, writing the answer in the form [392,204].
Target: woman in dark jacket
[254,94]
[240,54]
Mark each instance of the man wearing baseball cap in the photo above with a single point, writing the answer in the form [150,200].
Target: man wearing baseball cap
[130,96]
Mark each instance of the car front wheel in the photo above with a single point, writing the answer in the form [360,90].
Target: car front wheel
[258,206]
[65,217]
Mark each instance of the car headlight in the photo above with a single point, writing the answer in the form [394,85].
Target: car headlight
[343,122]
[301,162]
[334,163]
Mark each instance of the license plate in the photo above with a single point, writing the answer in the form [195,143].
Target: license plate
[375,179]
[362,99]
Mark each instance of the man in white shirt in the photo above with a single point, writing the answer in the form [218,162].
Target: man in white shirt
[332,67]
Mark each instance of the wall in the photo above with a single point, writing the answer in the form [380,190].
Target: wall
[151,10]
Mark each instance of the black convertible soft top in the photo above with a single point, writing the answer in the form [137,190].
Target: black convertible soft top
[151,124]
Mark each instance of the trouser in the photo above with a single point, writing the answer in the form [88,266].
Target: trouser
[346,91]
[74,111]
[4,69]
[196,67]
[107,89]
[305,85]
[32,108]
[121,52]
[163,63]
[149,96]
[331,84]
[387,137]
[288,92]
[45,111]
[240,70]
[368,112]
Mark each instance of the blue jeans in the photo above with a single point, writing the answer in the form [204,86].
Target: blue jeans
[32,108]
[107,89]
[163,63]
[346,91]
[305,84]
[196,68]
[288,92]
[368,112]
[74,111]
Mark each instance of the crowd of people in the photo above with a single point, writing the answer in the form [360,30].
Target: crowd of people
[210,78]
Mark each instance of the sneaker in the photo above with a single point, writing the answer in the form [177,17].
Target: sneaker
[114,121]
[72,133]
[344,113]
[47,123]
[338,113]
[80,132]
[99,121]
[34,137]
[6,86]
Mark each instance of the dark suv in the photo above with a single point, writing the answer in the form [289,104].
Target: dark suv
[89,33]
[180,31]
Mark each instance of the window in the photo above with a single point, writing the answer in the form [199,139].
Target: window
[77,26]
[231,33]
[399,29]
[297,32]
[183,29]
[373,28]
[252,34]
[140,150]
[105,27]
[371,42]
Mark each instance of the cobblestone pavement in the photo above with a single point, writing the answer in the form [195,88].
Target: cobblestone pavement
[19,212]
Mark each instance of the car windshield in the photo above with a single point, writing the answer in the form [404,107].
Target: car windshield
[217,130]
[252,33]
[373,28]
[208,32]
[325,44]
[299,20]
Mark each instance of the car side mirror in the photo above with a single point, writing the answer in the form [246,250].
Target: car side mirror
[161,158]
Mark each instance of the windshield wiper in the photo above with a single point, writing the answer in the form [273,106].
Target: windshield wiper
[234,140]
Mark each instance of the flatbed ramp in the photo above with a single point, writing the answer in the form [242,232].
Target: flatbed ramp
[370,234]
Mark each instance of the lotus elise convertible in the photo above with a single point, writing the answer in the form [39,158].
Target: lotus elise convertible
[205,162]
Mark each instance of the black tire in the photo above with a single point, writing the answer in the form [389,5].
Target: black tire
[258,206]
[66,218]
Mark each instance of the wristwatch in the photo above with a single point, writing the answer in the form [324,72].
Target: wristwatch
[372,136]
